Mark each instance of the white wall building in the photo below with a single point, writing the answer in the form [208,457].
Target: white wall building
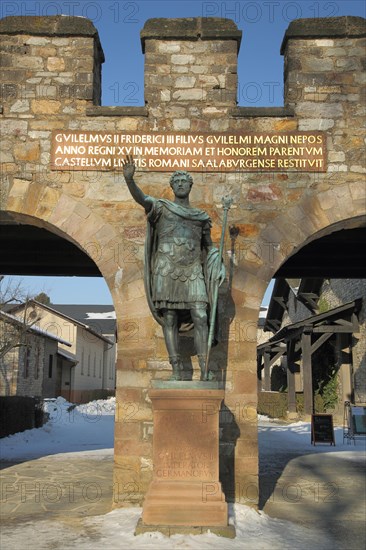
[93,347]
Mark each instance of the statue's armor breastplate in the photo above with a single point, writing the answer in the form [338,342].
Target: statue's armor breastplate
[179,240]
[178,236]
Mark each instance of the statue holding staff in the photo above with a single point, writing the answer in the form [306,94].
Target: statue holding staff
[182,267]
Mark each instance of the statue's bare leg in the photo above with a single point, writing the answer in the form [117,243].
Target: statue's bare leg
[171,341]
[199,318]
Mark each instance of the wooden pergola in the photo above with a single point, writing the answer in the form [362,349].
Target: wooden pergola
[296,344]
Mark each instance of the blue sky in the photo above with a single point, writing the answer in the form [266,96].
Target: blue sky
[260,68]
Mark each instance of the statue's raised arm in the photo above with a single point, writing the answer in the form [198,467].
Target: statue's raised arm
[129,168]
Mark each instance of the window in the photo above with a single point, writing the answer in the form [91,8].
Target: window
[50,366]
[82,362]
[89,364]
[95,365]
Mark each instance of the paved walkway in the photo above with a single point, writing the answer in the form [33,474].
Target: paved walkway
[323,491]
[65,487]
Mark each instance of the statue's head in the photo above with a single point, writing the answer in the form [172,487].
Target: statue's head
[181,182]
[181,174]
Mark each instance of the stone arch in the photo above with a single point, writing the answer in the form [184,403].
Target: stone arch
[315,216]
[92,248]
[313,228]
[353,222]
[48,208]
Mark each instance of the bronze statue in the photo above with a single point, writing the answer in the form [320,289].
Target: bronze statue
[182,267]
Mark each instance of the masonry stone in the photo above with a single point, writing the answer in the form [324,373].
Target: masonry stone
[185,82]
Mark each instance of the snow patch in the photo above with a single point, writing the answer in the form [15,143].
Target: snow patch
[100,315]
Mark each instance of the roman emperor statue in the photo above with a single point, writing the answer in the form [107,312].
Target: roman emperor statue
[181,266]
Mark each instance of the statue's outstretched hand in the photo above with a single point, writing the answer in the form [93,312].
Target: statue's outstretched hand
[129,167]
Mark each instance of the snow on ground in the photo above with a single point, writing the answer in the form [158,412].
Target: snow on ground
[69,429]
[275,436]
[89,428]
[254,531]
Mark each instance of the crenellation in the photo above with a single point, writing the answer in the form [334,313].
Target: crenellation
[54,62]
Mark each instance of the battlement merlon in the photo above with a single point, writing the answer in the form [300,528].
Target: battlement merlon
[191,61]
[61,55]
[51,25]
[323,64]
[191,29]
[326,27]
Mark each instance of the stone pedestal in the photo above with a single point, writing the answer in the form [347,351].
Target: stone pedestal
[185,490]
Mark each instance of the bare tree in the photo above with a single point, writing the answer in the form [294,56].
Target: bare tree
[13,328]
[12,292]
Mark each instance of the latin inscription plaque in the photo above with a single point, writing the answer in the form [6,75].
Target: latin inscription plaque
[186,434]
[185,489]
[196,152]
[188,454]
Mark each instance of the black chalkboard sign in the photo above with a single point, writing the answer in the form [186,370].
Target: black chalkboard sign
[322,429]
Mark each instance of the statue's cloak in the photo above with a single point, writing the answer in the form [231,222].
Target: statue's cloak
[211,262]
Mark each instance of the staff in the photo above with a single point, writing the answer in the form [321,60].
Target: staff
[227,201]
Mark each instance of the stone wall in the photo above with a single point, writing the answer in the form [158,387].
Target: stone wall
[31,366]
[335,292]
[24,368]
[9,364]
[274,214]
[191,83]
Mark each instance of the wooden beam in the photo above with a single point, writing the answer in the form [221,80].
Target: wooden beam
[320,341]
[267,374]
[259,372]
[343,322]
[307,371]
[278,347]
[277,356]
[309,295]
[334,329]
[355,322]
[310,298]
[294,334]
[297,346]
[291,394]
[276,325]
[280,301]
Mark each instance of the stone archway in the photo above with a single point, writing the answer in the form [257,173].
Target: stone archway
[60,248]
[275,213]
[300,306]
[30,204]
